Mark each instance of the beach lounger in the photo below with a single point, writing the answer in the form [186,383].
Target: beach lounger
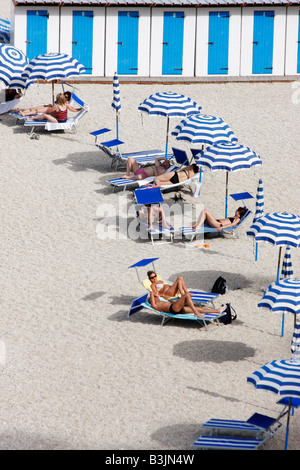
[188,232]
[257,424]
[70,124]
[111,149]
[143,303]
[151,196]
[230,443]
[7,106]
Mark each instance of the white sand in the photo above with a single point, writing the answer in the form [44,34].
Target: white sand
[78,373]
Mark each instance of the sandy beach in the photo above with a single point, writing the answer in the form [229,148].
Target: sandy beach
[76,373]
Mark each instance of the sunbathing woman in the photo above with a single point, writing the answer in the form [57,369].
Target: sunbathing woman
[46,108]
[219,224]
[179,176]
[165,290]
[182,305]
[161,164]
[153,215]
[57,113]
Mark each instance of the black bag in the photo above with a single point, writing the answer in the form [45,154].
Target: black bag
[230,315]
[219,286]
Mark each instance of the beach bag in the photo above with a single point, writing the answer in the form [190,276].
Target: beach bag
[219,286]
[230,315]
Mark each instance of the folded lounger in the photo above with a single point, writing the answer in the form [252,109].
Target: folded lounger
[143,157]
[70,124]
[9,105]
[188,232]
[143,302]
[230,443]
[257,424]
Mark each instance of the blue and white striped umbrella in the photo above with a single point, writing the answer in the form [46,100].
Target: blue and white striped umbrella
[170,105]
[259,210]
[12,63]
[116,103]
[295,347]
[228,156]
[287,268]
[282,297]
[280,377]
[278,228]
[204,129]
[4,31]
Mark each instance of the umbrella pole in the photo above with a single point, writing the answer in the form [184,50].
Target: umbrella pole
[226,198]
[117,125]
[52,91]
[167,137]
[278,275]
[288,425]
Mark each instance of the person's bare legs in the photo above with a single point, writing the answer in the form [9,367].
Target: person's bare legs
[131,166]
[205,310]
[181,303]
[206,216]
[179,285]
[38,109]
[43,117]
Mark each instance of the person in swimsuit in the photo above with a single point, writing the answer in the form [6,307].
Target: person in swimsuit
[153,214]
[183,305]
[165,290]
[219,224]
[56,113]
[161,164]
[179,176]
[47,108]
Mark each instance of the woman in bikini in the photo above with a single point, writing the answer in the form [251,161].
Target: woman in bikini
[183,305]
[56,113]
[219,224]
[165,290]
[46,108]
[161,164]
[179,176]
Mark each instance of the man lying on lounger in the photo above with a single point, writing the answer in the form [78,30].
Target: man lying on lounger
[175,177]
[183,305]
[161,164]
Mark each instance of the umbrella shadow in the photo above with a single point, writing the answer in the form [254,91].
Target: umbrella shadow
[206,279]
[213,351]
[82,162]
[93,296]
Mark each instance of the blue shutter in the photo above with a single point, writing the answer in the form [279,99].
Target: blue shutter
[36,33]
[298,60]
[218,42]
[263,42]
[128,35]
[82,39]
[173,43]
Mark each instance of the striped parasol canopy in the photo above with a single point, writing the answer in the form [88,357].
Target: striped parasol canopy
[116,103]
[204,129]
[281,377]
[52,66]
[228,156]
[259,211]
[295,346]
[278,228]
[4,30]
[287,268]
[169,104]
[12,63]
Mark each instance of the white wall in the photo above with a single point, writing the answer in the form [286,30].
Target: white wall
[279,39]
[292,45]
[202,35]
[188,59]
[111,51]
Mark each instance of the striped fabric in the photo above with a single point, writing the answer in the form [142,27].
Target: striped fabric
[282,296]
[259,205]
[12,63]
[228,156]
[287,268]
[282,377]
[234,443]
[278,228]
[296,336]
[52,66]
[116,104]
[169,104]
[4,31]
[204,129]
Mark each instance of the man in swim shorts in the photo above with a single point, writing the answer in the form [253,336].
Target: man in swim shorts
[161,164]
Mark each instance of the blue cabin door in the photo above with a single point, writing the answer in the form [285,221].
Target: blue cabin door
[128,38]
[298,60]
[263,42]
[36,33]
[173,43]
[218,42]
[82,39]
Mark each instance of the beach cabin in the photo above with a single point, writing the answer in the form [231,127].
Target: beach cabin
[172,38]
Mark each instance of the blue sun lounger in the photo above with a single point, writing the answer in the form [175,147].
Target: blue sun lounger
[230,443]
[188,232]
[143,303]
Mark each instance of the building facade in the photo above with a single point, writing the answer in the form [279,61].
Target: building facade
[171,38]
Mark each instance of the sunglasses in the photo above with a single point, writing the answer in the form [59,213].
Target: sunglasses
[153,277]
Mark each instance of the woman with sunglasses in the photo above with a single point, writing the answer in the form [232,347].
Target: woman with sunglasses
[165,290]
[183,305]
